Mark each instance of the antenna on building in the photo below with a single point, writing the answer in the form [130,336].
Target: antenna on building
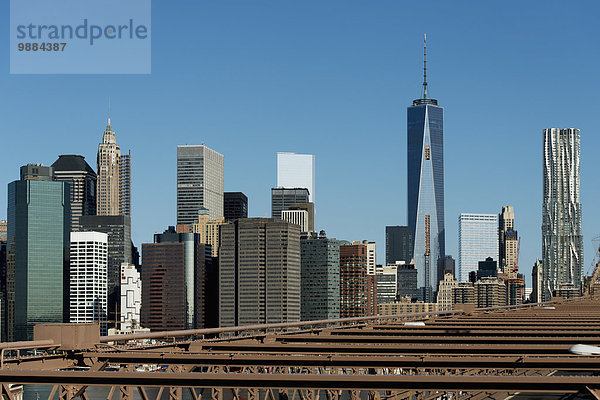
[425,66]
[108,110]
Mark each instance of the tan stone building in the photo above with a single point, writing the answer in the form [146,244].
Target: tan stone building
[445,300]
[490,292]
[405,306]
[208,230]
[113,193]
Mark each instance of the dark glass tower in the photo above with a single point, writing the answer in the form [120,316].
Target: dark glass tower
[425,167]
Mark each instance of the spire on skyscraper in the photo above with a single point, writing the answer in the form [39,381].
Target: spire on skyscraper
[425,66]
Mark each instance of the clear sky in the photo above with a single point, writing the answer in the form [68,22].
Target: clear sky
[333,78]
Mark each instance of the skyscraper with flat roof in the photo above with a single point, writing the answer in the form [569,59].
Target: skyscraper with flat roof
[296,171]
[283,198]
[39,221]
[320,277]
[425,178]
[174,281]
[235,205]
[259,272]
[82,178]
[562,241]
[88,278]
[477,240]
[398,244]
[199,183]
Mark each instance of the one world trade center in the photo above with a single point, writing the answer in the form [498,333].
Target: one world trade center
[425,168]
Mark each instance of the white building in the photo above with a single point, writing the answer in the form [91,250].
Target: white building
[296,171]
[477,240]
[131,297]
[387,283]
[371,257]
[89,278]
[298,217]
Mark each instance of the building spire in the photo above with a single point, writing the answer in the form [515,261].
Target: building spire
[425,66]
[109,111]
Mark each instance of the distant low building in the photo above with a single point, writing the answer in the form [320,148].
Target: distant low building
[406,306]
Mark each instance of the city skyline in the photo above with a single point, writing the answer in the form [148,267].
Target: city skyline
[362,136]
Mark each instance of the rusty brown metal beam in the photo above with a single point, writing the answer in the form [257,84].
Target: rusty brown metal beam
[546,384]
[391,361]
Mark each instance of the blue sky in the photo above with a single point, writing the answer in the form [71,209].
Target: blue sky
[333,78]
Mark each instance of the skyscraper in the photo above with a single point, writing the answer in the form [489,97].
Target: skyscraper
[320,277]
[425,167]
[477,240]
[259,272]
[199,183]
[82,178]
[562,241]
[398,244]
[118,229]
[88,278]
[38,246]
[296,171]
[508,241]
[353,280]
[109,154]
[125,184]
[174,269]
[283,198]
[235,205]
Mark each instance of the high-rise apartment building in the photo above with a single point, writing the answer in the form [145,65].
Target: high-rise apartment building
[445,299]
[118,229]
[88,278]
[113,181]
[82,179]
[398,244]
[562,241]
[490,292]
[425,167]
[259,272]
[387,284]
[477,240]
[131,297]
[199,183]
[371,256]
[208,229]
[320,277]
[235,205]
[174,277]
[283,198]
[407,281]
[37,252]
[125,184]
[508,241]
[353,280]
[296,171]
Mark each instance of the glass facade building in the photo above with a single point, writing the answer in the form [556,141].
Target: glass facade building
[398,244]
[39,221]
[425,169]
[477,240]
[320,278]
[296,171]
[283,199]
